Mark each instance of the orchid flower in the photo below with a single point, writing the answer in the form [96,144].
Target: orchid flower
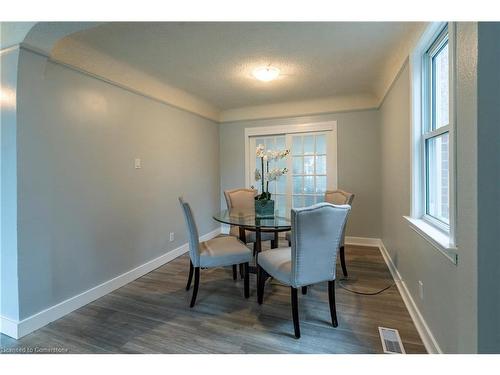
[257,175]
[275,173]
[260,150]
[272,175]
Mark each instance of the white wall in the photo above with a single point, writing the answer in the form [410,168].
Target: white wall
[358,149]
[450,291]
[85,215]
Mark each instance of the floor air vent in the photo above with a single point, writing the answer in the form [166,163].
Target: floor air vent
[391,342]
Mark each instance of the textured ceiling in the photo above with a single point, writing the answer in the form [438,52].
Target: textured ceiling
[213,61]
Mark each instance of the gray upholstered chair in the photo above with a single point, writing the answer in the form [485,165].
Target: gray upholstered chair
[316,234]
[245,199]
[337,197]
[217,252]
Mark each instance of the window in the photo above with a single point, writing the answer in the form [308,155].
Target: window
[311,164]
[433,165]
[436,129]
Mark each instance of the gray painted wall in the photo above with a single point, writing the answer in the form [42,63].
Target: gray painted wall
[9,302]
[450,300]
[488,83]
[358,148]
[85,214]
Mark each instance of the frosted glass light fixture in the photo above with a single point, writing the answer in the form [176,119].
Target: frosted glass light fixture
[266,73]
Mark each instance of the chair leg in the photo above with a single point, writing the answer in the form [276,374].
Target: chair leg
[247,281]
[254,249]
[235,272]
[342,261]
[190,277]
[331,299]
[242,271]
[289,243]
[276,243]
[196,285]
[260,284]
[304,290]
[295,312]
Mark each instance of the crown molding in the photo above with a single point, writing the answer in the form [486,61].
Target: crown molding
[300,108]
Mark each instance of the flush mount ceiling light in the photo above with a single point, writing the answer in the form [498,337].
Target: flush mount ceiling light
[266,73]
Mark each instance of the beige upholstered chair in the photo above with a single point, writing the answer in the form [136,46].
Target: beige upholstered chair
[217,252]
[316,234]
[244,199]
[337,197]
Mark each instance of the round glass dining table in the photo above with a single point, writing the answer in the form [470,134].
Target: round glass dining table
[245,219]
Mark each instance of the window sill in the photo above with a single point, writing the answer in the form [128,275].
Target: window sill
[438,239]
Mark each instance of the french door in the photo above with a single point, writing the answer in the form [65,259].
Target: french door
[309,166]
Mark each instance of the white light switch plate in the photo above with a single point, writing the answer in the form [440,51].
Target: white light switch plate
[171,236]
[137,164]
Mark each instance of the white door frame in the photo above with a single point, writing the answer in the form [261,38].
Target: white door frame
[298,128]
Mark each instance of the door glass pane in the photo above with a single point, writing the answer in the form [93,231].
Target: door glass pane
[309,144]
[280,143]
[297,145]
[298,201]
[308,164]
[308,200]
[321,144]
[281,163]
[297,184]
[321,164]
[320,184]
[309,184]
[272,187]
[281,185]
[441,85]
[269,143]
[281,205]
[437,197]
[297,165]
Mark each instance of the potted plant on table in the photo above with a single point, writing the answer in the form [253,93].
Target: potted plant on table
[264,205]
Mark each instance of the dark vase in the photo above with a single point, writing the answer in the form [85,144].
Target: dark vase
[264,208]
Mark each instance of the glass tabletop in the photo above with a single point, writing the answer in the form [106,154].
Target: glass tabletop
[246,219]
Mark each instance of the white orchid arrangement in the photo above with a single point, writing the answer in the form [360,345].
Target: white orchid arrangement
[267,156]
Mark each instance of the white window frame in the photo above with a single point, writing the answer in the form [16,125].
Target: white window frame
[427,122]
[328,126]
[442,237]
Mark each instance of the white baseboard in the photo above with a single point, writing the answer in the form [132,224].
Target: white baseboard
[8,326]
[18,329]
[430,343]
[225,228]
[362,241]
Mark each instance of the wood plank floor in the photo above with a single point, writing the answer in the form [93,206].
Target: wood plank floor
[152,315]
